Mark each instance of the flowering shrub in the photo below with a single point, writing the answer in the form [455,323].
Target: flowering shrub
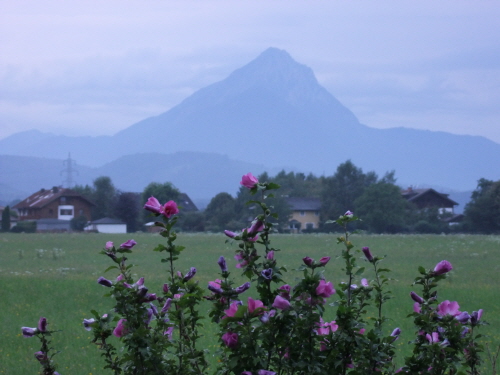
[283,329]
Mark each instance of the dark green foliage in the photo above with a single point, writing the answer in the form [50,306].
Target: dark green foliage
[104,196]
[78,223]
[340,191]
[220,212]
[482,213]
[192,221]
[383,208]
[24,227]
[6,219]
[128,209]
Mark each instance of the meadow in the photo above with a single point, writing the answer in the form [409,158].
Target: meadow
[54,275]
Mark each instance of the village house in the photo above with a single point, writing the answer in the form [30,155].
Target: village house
[54,208]
[430,198]
[305,214]
[106,225]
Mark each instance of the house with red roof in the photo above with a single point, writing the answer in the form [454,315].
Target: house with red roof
[54,208]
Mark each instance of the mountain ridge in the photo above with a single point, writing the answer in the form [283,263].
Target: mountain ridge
[272,112]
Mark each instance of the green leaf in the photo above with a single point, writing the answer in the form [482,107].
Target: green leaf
[360,271]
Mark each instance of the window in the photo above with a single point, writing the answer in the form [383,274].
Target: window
[302,213]
[309,225]
[65,211]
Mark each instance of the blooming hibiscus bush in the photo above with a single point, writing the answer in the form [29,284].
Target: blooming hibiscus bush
[281,328]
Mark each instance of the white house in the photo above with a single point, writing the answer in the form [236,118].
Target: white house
[107,225]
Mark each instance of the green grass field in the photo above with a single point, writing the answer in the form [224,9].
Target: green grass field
[61,285]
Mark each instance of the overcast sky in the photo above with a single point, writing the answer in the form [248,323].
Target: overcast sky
[94,67]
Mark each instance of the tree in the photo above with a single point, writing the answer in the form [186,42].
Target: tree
[482,213]
[297,184]
[6,219]
[104,196]
[220,212]
[127,209]
[193,221]
[382,208]
[78,223]
[341,190]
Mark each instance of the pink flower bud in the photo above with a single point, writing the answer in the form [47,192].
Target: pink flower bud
[249,181]
[368,254]
[128,245]
[153,205]
[323,261]
[442,267]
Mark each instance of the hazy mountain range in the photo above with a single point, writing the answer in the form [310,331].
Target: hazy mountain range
[268,115]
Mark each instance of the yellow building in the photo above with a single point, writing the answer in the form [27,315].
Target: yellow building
[305,214]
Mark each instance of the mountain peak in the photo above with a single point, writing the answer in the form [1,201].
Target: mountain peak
[275,67]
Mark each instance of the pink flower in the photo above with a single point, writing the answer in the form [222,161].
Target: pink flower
[254,304]
[216,283]
[169,332]
[442,267]
[308,261]
[42,324]
[284,291]
[169,209]
[167,305]
[120,329]
[109,245]
[153,205]
[448,308]
[364,283]
[232,310]
[368,254]
[324,289]
[256,227]
[417,308]
[281,303]
[323,261]
[349,214]
[362,331]
[249,181]
[42,357]
[230,234]
[326,328]
[432,338]
[414,296]
[240,257]
[230,339]
[29,332]
[270,255]
[128,244]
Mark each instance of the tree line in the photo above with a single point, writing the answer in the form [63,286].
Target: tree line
[376,200]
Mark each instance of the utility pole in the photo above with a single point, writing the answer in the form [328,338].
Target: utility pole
[69,168]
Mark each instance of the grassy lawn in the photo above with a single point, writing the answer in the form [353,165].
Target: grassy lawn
[61,284]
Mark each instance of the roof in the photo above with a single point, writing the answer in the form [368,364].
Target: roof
[414,194]
[107,220]
[186,203]
[43,197]
[304,204]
